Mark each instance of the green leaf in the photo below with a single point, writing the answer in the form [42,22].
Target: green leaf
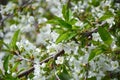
[92,78]
[15,66]
[72,21]
[84,41]
[14,39]
[65,36]
[59,30]
[105,36]
[5,63]
[64,75]
[104,47]
[10,77]
[106,16]
[64,8]
[67,13]
[71,35]
[60,22]
[63,23]
[94,53]
[62,37]
[1,74]
[3,43]
[95,3]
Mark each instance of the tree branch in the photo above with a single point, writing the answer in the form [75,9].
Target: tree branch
[89,33]
[25,73]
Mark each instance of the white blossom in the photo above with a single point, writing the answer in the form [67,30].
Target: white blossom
[114,65]
[43,65]
[36,71]
[59,60]
[14,74]
[110,21]
[1,61]
[1,34]
[13,27]
[42,20]
[96,37]
[37,40]
[31,19]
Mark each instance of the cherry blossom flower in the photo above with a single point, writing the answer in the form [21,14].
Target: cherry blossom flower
[59,60]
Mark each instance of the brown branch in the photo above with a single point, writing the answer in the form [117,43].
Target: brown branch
[25,73]
[27,3]
[89,33]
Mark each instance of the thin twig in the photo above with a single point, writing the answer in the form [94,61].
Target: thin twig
[89,33]
[25,73]
[27,3]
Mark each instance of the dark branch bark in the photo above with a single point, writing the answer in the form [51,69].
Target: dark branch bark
[87,34]
[25,73]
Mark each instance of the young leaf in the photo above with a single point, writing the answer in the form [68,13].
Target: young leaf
[5,63]
[1,74]
[72,21]
[61,22]
[64,8]
[15,66]
[14,39]
[3,43]
[71,35]
[94,53]
[62,37]
[95,2]
[106,16]
[105,36]
[66,36]
[67,13]
[10,77]
[64,75]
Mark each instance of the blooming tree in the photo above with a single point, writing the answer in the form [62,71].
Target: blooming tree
[59,39]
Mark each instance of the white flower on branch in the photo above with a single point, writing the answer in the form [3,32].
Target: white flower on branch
[42,20]
[1,34]
[110,21]
[14,74]
[13,27]
[59,60]
[96,37]
[37,70]
[114,65]
[31,19]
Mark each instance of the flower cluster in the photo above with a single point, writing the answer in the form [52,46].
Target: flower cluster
[60,40]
